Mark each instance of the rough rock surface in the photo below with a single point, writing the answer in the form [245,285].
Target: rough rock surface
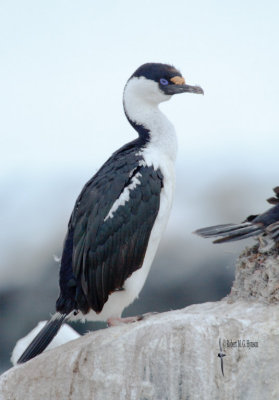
[257,276]
[172,356]
[168,356]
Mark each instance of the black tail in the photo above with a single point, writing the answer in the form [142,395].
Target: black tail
[44,337]
[231,232]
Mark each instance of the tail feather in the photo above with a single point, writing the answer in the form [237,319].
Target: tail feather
[219,230]
[238,236]
[230,232]
[44,337]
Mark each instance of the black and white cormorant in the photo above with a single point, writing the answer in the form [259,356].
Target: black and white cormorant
[265,224]
[121,213]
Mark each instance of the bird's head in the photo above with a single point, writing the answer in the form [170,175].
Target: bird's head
[155,83]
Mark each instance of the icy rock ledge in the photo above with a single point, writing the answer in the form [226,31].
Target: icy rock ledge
[168,356]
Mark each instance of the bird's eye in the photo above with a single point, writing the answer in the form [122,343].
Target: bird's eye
[164,82]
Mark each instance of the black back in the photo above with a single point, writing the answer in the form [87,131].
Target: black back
[101,253]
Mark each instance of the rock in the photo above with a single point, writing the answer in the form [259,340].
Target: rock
[257,276]
[170,356]
[174,355]
[65,334]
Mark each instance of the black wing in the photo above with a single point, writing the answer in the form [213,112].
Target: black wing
[254,225]
[105,251]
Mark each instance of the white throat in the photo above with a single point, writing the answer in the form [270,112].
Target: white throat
[141,99]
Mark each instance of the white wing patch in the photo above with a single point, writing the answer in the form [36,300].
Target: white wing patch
[124,196]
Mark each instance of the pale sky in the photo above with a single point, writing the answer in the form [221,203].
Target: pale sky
[64,64]
[63,68]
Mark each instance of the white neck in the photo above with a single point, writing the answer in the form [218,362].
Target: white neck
[143,110]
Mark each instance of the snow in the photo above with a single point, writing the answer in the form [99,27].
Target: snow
[65,334]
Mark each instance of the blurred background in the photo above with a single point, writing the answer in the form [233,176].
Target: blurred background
[63,68]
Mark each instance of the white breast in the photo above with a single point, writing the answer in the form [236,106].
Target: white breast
[134,284]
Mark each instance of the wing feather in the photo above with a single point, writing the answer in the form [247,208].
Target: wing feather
[106,251]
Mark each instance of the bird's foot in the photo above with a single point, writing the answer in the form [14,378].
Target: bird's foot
[114,321]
